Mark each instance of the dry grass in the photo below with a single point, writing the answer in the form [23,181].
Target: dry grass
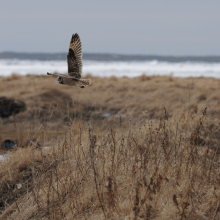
[156,157]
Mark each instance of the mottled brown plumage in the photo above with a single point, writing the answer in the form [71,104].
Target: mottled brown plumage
[74,62]
[74,57]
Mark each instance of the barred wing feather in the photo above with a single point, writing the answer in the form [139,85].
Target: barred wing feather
[74,57]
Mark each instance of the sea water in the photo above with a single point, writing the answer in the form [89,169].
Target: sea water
[110,68]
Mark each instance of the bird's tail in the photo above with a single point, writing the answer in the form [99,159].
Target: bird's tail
[83,82]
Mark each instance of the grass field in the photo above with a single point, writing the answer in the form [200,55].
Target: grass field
[140,148]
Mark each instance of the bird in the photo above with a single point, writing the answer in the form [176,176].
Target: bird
[74,63]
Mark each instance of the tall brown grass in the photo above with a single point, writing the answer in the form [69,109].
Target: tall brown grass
[136,164]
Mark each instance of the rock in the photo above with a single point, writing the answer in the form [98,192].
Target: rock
[9,107]
[8,144]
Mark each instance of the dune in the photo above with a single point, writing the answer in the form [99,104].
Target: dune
[122,148]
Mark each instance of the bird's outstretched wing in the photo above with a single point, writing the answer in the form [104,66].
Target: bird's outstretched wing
[74,57]
[62,75]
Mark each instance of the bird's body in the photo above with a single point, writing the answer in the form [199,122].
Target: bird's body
[74,82]
[74,62]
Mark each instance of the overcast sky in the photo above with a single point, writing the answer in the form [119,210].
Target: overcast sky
[151,27]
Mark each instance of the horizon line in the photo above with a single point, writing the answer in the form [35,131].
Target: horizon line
[115,54]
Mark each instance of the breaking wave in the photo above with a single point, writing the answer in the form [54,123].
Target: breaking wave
[116,68]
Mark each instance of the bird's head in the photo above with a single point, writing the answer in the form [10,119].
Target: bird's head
[60,80]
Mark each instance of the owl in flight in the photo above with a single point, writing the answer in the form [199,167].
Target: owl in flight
[74,62]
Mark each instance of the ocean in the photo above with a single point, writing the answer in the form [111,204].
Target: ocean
[113,68]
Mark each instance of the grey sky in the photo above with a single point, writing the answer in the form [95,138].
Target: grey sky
[168,27]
